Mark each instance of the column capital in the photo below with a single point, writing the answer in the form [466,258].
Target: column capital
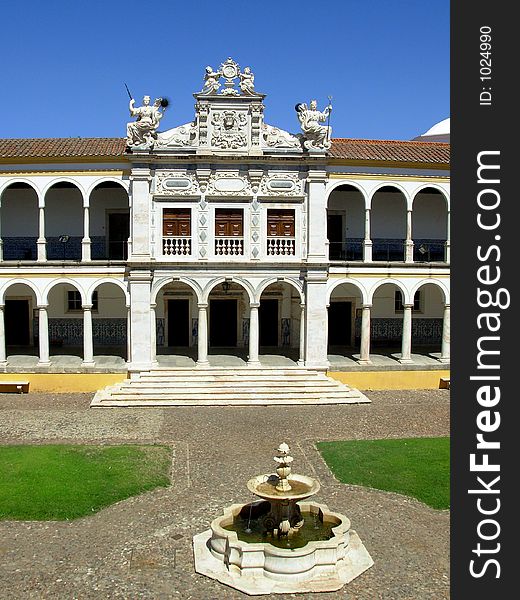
[202,305]
[42,306]
[87,306]
[366,306]
[446,305]
[408,305]
[254,305]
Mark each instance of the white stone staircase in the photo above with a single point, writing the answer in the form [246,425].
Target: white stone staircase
[224,386]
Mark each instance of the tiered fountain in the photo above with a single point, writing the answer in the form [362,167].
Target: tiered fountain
[281,544]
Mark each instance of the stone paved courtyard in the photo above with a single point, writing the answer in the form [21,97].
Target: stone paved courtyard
[141,548]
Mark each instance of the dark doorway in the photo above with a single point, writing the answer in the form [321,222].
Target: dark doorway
[223,323]
[118,233]
[17,322]
[335,236]
[268,322]
[178,322]
[340,324]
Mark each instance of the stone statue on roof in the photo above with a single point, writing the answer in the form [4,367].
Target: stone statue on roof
[211,81]
[143,131]
[315,136]
[230,71]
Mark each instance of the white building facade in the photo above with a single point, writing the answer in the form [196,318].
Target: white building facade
[224,233]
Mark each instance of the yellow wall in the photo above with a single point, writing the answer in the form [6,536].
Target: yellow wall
[391,380]
[363,380]
[65,382]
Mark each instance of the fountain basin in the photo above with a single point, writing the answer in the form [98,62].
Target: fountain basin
[301,487]
[261,568]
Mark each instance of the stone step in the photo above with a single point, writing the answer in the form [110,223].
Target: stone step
[247,392]
[232,377]
[248,401]
[214,384]
[227,387]
[239,372]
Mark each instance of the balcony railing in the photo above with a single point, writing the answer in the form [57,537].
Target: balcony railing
[229,246]
[429,251]
[281,246]
[177,246]
[351,250]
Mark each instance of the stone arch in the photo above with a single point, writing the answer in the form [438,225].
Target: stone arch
[442,190]
[16,180]
[434,282]
[70,180]
[19,298]
[65,280]
[399,284]
[280,304]
[107,179]
[38,294]
[109,317]
[389,204]
[267,282]
[346,218]
[93,286]
[65,201]
[160,283]
[246,285]
[390,184]
[108,219]
[336,283]
[20,219]
[333,185]
[430,224]
[345,298]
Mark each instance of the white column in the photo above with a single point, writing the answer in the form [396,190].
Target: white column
[447,253]
[41,242]
[406,346]
[409,241]
[317,221]
[128,338]
[140,300]
[88,343]
[364,349]
[445,349]
[1,240]
[85,242]
[140,214]
[316,322]
[253,334]
[202,338]
[43,335]
[3,354]
[153,334]
[367,242]
[301,359]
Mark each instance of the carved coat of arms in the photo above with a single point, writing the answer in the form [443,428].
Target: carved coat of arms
[229,130]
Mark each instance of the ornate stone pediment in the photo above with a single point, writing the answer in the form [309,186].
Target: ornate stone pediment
[229,120]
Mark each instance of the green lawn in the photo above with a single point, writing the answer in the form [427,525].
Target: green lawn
[59,482]
[418,467]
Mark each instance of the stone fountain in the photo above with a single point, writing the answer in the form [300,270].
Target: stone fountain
[282,543]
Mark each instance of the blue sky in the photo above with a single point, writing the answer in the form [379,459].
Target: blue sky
[64,63]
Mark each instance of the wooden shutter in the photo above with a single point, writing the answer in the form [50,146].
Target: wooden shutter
[229,222]
[177,222]
[280,223]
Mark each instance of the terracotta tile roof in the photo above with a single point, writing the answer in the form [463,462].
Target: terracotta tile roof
[61,147]
[349,149]
[389,150]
